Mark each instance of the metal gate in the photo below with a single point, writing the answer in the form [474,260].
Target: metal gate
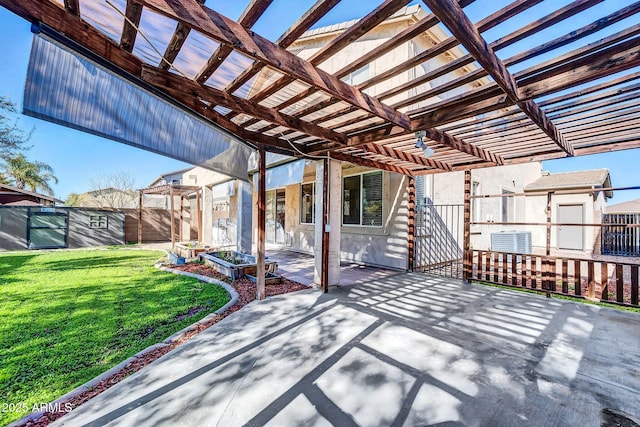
[623,238]
[47,228]
[439,232]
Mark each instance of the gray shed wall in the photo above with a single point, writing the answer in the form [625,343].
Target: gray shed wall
[82,236]
[13,228]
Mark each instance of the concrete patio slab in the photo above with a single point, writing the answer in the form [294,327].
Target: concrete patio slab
[298,267]
[406,350]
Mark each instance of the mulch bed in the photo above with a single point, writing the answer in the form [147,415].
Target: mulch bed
[247,292]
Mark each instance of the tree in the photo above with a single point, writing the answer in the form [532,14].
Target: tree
[12,138]
[74,199]
[114,191]
[26,174]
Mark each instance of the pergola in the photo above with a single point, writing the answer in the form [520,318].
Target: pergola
[536,96]
[171,190]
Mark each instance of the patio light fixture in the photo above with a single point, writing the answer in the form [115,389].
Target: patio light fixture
[426,150]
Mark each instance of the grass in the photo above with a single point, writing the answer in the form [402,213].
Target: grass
[68,316]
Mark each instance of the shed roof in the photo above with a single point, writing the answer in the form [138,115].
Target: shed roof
[595,178]
[12,189]
[631,206]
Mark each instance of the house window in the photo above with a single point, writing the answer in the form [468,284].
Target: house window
[475,203]
[507,206]
[98,221]
[362,200]
[308,203]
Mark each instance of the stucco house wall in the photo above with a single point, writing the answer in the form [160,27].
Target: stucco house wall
[448,189]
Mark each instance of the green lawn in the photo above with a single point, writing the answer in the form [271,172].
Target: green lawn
[68,316]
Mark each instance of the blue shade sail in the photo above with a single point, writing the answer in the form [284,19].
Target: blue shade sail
[65,88]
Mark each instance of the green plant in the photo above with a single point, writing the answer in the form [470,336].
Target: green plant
[70,315]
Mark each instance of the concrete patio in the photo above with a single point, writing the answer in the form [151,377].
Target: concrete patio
[405,350]
[298,267]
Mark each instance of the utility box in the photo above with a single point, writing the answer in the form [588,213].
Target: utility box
[517,242]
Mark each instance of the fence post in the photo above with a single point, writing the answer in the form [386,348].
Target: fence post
[467,256]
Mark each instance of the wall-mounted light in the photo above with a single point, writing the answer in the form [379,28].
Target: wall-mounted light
[428,152]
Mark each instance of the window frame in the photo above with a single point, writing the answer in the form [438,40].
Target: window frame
[361,204]
[313,203]
[98,222]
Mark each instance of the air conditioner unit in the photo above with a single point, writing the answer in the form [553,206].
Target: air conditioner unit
[518,242]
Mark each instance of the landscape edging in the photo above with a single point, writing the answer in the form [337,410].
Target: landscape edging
[33,416]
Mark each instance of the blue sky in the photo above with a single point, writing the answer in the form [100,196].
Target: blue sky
[78,157]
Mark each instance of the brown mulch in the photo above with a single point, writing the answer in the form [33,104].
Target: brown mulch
[247,293]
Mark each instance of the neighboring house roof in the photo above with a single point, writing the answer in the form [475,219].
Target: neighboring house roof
[405,11]
[161,177]
[596,178]
[108,189]
[632,206]
[12,189]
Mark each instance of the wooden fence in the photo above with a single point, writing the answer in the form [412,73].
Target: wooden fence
[604,281]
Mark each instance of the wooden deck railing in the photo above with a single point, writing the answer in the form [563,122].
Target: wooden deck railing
[581,278]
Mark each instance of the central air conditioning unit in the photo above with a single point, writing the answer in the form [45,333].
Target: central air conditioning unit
[518,242]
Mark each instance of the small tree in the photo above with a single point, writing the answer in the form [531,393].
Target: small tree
[12,138]
[74,199]
[114,191]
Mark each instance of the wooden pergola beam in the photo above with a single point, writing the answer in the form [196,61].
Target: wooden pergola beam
[225,30]
[310,17]
[317,11]
[133,14]
[208,112]
[167,80]
[249,17]
[433,134]
[253,12]
[72,6]
[406,157]
[459,24]
[77,30]
[370,163]
[364,25]
[175,44]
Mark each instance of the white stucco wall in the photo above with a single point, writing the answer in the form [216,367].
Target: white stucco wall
[448,189]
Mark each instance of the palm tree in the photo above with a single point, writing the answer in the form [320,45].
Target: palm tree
[34,175]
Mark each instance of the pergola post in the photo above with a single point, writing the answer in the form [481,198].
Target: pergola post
[324,277]
[546,266]
[262,197]
[173,225]
[411,229]
[140,217]
[327,229]
[199,215]
[467,257]
[181,217]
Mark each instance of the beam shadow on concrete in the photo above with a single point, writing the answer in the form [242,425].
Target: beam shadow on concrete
[401,351]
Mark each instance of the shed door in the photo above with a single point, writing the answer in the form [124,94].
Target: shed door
[47,230]
[570,237]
